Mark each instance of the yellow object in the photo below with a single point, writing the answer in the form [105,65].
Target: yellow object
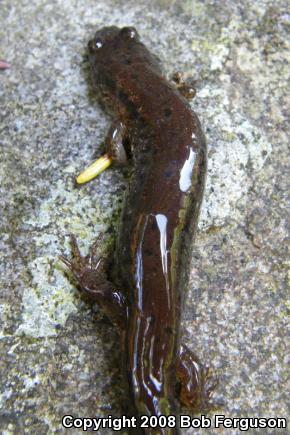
[95,169]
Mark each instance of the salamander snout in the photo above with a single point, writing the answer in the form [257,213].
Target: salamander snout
[129,33]
[103,36]
[111,36]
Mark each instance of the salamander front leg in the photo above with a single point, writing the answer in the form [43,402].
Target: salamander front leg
[90,272]
[116,140]
[186,86]
[196,383]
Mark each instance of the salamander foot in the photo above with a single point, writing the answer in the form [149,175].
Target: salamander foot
[186,86]
[90,272]
[197,383]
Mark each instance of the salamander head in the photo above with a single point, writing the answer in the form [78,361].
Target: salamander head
[111,52]
[115,53]
[107,35]
[110,43]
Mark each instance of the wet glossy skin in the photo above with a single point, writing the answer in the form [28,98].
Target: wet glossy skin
[160,216]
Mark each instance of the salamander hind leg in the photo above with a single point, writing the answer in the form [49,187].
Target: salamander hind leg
[90,272]
[196,383]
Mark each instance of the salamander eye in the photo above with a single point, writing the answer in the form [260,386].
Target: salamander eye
[95,44]
[98,43]
[130,32]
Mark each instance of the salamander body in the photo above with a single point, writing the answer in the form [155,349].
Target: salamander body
[155,128]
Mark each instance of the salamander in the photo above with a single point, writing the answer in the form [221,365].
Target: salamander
[143,289]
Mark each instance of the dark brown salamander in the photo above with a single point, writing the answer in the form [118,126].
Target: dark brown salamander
[168,154]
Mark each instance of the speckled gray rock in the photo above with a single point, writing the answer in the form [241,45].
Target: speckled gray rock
[59,355]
